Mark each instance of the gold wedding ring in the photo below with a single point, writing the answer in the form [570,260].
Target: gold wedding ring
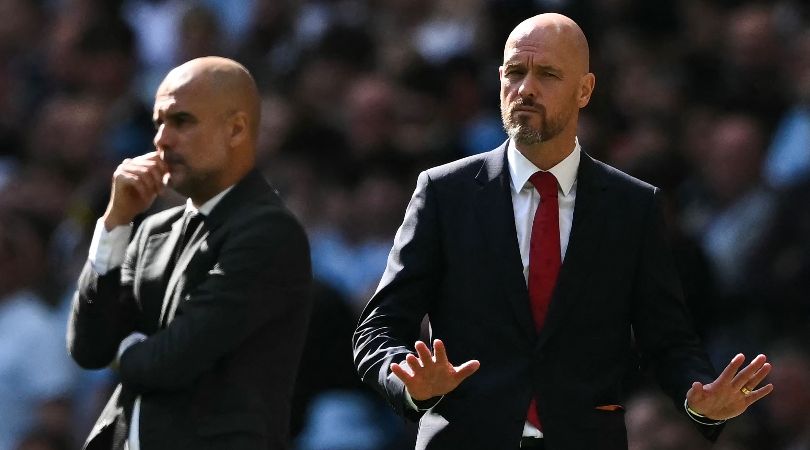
[745,390]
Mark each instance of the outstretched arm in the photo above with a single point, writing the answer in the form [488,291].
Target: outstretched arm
[391,321]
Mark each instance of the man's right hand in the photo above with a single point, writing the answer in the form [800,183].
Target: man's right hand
[428,376]
[135,185]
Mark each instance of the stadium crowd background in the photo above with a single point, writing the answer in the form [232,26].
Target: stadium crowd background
[709,100]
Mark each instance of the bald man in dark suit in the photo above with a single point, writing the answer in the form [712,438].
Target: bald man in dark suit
[537,267]
[205,309]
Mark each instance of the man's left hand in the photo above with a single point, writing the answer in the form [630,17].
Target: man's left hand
[733,391]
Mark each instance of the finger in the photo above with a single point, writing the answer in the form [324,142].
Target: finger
[757,395]
[156,175]
[744,376]
[424,353]
[696,392]
[440,352]
[141,181]
[759,376]
[161,167]
[415,363]
[401,373]
[144,176]
[153,155]
[468,368]
[156,166]
[731,369]
[133,182]
[144,161]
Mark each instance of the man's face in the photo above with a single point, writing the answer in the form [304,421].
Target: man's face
[540,88]
[191,133]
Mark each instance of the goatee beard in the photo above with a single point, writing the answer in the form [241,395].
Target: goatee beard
[523,134]
[519,130]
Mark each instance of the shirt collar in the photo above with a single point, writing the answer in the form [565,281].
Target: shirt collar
[206,208]
[521,169]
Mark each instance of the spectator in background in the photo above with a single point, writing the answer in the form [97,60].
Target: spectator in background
[33,371]
[741,208]
[752,78]
[44,440]
[788,160]
[788,411]
[199,34]
[652,424]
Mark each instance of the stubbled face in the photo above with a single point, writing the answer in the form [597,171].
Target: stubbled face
[540,87]
[191,134]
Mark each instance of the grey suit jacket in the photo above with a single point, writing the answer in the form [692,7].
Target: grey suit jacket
[225,326]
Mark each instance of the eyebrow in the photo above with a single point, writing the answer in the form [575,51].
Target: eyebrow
[512,64]
[173,116]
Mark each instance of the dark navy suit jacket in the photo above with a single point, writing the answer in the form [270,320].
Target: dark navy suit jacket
[456,259]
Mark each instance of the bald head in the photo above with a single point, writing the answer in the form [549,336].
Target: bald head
[554,30]
[222,81]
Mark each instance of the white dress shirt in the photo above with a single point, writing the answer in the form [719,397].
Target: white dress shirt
[107,251]
[526,199]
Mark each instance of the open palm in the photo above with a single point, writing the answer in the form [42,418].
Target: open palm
[431,375]
[732,392]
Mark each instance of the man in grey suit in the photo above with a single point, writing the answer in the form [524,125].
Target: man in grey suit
[205,308]
[537,267]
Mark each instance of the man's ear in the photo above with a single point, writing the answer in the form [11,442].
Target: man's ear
[586,85]
[238,128]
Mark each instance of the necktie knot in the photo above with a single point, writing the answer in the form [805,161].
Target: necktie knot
[192,221]
[545,183]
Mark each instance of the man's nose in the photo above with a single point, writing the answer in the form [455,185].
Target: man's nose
[161,139]
[529,87]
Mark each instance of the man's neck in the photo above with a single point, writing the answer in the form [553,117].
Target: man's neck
[548,154]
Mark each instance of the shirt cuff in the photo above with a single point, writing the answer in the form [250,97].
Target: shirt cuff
[699,418]
[108,248]
[128,342]
[423,405]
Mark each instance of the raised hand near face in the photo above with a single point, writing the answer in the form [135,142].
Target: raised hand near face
[431,375]
[135,185]
[733,391]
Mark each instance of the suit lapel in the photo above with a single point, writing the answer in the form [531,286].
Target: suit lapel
[248,188]
[164,261]
[583,244]
[177,282]
[497,218]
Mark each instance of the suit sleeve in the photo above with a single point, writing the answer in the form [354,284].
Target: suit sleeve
[262,275]
[103,311]
[390,323]
[662,323]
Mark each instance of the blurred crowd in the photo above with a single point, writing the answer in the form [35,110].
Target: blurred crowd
[709,100]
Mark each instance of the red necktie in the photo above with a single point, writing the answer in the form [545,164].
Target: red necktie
[544,257]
